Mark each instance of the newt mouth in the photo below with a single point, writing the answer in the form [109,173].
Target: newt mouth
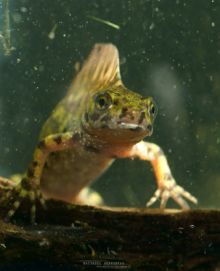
[136,127]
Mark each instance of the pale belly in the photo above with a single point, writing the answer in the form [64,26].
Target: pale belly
[66,173]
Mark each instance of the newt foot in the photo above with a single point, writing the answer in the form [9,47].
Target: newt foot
[170,189]
[13,198]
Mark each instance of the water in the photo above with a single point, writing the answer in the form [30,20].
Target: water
[168,49]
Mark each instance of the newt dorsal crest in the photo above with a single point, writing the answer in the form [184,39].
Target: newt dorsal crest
[100,70]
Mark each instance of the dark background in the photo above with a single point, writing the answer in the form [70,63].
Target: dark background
[169,50]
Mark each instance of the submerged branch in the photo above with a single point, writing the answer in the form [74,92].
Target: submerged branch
[87,237]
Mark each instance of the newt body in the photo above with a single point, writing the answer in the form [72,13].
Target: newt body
[98,121]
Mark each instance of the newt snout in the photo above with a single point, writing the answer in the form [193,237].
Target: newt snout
[139,117]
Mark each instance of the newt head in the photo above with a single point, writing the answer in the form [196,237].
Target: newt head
[119,114]
[108,109]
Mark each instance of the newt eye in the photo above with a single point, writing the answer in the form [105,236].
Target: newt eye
[152,110]
[103,101]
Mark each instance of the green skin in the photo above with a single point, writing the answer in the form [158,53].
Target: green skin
[97,121]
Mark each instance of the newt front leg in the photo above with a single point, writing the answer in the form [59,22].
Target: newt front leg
[29,186]
[167,186]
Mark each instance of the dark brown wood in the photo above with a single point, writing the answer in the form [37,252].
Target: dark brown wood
[131,239]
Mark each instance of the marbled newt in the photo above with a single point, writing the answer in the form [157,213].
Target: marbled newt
[98,121]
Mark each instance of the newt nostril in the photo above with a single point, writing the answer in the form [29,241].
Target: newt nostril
[149,127]
[141,118]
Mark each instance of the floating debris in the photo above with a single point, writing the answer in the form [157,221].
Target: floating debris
[5,34]
[77,66]
[104,22]
[52,33]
